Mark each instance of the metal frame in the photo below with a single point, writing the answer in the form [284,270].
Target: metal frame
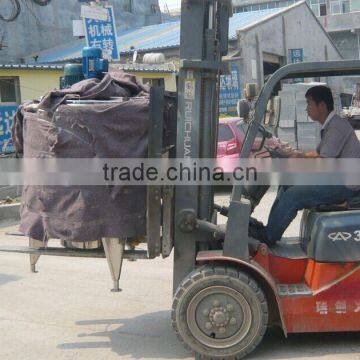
[181,217]
[236,244]
[204,40]
[153,224]
[237,205]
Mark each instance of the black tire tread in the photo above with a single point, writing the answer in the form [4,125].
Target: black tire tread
[207,271]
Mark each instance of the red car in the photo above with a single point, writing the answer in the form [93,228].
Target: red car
[231,136]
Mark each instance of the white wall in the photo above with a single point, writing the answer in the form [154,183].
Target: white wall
[302,30]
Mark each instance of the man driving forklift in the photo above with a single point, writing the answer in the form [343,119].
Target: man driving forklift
[338,140]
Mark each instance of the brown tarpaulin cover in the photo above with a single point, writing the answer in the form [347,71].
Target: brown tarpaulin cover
[54,129]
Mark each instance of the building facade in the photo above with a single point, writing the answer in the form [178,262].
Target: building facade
[340,18]
[19,83]
[260,42]
[26,27]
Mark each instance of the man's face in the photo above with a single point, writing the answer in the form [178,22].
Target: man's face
[313,109]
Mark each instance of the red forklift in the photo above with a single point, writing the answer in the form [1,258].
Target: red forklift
[228,288]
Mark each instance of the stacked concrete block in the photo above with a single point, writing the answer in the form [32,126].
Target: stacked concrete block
[288,135]
[287,123]
[308,131]
[295,126]
[308,134]
[337,104]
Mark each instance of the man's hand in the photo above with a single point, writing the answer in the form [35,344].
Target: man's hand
[288,151]
[312,154]
[309,155]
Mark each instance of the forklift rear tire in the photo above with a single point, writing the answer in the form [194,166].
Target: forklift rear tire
[220,313]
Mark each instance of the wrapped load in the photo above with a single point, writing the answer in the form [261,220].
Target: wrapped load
[52,128]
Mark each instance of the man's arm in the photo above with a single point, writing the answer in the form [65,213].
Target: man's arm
[313,154]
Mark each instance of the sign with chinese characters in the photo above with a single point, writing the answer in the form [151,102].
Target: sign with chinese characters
[102,34]
[296,56]
[6,122]
[230,91]
[340,307]
[357,307]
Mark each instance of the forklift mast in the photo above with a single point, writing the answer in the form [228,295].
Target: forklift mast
[204,40]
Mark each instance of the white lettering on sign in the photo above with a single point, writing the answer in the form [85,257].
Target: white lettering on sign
[108,45]
[96,43]
[94,12]
[340,307]
[357,306]
[106,30]
[188,128]
[322,307]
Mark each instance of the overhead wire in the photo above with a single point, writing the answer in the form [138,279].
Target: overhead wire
[41,2]
[17,9]
[15,13]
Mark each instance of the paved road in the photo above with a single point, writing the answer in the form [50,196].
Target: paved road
[66,312]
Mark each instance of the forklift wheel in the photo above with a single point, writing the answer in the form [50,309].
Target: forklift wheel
[219,313]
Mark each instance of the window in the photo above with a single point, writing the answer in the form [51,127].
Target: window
[225,133]
[128,6]
[355,5]
[8,90]
[344,6]
[335,7]
[318,7]
[322,9]
[154,82]
[267,5]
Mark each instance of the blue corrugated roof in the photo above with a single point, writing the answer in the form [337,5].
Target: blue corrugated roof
[156,37]
[30,67]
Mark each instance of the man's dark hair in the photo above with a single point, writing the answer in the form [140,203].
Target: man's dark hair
[321,93]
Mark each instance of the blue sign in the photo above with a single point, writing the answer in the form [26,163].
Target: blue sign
[230,91]
[102,34]
[296,55]
[6,122]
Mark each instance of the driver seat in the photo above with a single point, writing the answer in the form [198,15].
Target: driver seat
[352,204]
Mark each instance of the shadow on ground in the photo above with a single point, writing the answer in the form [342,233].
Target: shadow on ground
[145,336]
[5,278]
[151,336]
[276,347]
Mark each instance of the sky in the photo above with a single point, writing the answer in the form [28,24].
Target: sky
[172,4]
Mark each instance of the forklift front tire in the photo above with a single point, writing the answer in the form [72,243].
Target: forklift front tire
[219,313]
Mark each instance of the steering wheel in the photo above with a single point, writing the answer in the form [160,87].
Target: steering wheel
[275,153]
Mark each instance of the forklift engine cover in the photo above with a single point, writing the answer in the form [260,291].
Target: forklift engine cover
[332,237]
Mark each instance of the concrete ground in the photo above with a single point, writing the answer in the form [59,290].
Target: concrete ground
[67,312]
